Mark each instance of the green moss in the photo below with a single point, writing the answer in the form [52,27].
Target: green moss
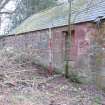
[66,69]
[99,58]
[75,78]
[97,100]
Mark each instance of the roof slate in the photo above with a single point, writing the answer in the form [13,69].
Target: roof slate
[58,16]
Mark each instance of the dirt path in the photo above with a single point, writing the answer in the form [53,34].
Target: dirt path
[29,85]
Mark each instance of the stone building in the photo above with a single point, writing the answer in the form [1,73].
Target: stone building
[47,32]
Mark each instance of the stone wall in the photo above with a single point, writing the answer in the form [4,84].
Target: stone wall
[39,41]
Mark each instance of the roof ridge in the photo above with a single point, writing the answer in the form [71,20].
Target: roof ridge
[57,16]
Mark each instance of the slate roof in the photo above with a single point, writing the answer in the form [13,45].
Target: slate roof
[58,16]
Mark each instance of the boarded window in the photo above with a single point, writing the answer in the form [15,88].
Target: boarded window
[69,43]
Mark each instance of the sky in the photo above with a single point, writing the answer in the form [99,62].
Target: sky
[10,6]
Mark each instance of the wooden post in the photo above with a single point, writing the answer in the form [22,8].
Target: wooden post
[69,34]
[50,68]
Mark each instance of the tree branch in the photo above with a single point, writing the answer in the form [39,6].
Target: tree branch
[6,13]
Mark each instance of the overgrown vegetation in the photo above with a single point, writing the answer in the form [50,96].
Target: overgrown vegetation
[75,78]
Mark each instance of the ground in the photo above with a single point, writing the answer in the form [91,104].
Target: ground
[30,84]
